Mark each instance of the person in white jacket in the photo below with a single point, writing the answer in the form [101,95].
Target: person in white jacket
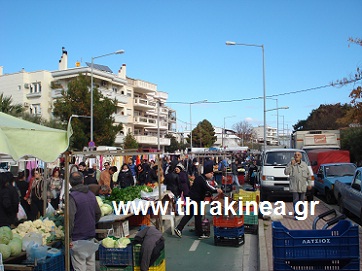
[298,175]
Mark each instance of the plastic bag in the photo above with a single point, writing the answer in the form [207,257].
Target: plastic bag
[84,248]
[32,237]
[21,213]
[50,209]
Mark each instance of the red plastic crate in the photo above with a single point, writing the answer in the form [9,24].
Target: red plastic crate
[228,221]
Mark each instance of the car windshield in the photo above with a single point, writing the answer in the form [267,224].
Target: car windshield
[282,158]
[340,170]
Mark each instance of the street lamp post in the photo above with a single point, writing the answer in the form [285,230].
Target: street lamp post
[92,87]
[276,99]
[277,109]
[264,94]
[198,102]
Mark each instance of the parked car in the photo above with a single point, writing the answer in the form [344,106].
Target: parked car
[349,196]
[328,174]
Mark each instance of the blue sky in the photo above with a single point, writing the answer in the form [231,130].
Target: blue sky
[180,46]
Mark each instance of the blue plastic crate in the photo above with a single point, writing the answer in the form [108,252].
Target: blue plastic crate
[56,263]
[115,256]
[338,243]
[228,232]
[317,265]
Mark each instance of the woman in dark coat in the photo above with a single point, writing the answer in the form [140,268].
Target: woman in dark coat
[172,181]
[125,177]
[9,201]
[141,175]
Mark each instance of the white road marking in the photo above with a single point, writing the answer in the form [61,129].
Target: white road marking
[194,245]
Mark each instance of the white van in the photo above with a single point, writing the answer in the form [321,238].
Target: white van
[273,181]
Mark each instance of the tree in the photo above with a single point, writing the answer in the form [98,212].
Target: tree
[7,106]
[326,117]
[203,135]
[130,142]
[351,140]
[244,130]
[76,101]
[174,145]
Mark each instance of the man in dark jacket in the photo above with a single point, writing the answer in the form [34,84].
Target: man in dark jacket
[197,193]
[152,243]
[84,213]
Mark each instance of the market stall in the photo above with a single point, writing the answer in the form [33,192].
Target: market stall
[23,140]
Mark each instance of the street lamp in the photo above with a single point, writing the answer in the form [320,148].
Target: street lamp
[198,102]
[277,109]
[223,131]
[91,143]
[276,99]
[264,95]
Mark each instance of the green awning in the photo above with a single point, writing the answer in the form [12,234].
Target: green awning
[22,139]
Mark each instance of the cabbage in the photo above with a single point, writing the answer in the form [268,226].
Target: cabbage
[5,235]
[15,246]
[5,250]
[122,242]
[108,242]
[99,200]
[107,209]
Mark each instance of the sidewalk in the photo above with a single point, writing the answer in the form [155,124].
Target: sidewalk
[265,233]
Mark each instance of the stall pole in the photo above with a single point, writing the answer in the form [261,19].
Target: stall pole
[66,212]
[160,226]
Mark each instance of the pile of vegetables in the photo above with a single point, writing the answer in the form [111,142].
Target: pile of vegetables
[106,208]
[129,193]
[10,244]
[113,242]
[46,228]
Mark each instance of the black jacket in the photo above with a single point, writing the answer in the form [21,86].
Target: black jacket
[172,183]
[125,179]
[199,188]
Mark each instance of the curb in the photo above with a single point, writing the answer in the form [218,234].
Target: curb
[263,254]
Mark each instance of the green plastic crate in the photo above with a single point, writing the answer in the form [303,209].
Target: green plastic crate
[136,256]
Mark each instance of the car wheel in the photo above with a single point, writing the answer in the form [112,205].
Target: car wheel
[330,197]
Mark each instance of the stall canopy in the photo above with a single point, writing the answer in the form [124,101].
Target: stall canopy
[23,139]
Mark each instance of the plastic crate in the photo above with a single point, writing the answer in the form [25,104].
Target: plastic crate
[251,229]
[228,232]
[136,256]
[338,243]
[115,256]
[139,220]
[228,221]
[56,263]
[251,219]
[230,242]
[319,265]
[161,267]
[247,196]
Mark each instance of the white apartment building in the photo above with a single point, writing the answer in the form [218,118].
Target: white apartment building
[271,135]
[140,106]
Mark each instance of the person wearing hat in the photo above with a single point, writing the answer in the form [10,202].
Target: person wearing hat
[193,168]
[197,193]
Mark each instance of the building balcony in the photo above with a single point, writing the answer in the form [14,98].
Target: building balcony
[121,98]
[152,140]
[120,118]
[143,104]
[56,93]
[144,121]
[143,86]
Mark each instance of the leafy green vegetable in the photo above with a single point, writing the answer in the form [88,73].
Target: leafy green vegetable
[129,193]
[5,235]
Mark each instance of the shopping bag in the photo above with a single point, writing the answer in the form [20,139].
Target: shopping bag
[21,213]
[50,209]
